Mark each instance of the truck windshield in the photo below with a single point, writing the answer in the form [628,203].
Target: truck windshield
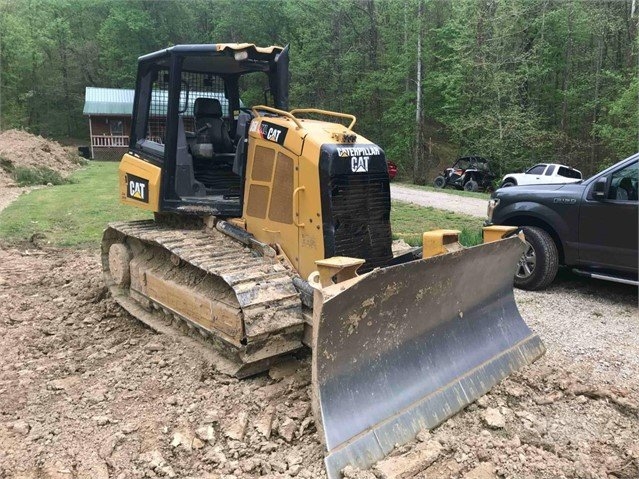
[536,170]
[569,173]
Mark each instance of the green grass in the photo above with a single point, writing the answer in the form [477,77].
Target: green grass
[410,221]
[452,191]
[73,214]
[38,176]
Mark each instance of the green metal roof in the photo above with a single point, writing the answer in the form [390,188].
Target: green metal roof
[116,101]
[108,101]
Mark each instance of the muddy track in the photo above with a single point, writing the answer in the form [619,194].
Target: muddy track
[255,312]
[86,391]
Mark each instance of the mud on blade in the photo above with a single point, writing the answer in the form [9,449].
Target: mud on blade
[408,346]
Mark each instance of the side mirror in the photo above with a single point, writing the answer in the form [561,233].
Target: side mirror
[599,191]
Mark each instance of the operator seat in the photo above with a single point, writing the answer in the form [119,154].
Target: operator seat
[212,136]
[625,190]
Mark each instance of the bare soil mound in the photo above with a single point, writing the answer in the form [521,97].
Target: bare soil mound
[87,392]
[20,149]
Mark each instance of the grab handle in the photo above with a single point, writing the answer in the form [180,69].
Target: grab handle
[286,114]
[296,213]
[352,118]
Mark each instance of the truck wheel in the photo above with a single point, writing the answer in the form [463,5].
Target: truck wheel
[538,265]
[471,185]
[508,183]
[440,182]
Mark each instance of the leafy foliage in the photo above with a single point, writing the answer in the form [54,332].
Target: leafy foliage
[519,81]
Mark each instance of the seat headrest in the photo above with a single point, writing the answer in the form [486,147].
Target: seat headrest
[625,182]
[207,107]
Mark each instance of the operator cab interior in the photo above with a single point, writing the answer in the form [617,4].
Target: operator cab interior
[189,119]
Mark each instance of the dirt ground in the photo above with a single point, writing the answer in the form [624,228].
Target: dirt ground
[19,148]
[88,392]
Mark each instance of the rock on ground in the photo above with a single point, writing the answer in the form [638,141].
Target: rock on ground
[410,464]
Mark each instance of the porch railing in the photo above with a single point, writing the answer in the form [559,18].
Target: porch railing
[104,141]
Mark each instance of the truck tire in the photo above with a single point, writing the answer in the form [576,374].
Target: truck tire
[508,183]
[538,265]
[440,182]
[471,185]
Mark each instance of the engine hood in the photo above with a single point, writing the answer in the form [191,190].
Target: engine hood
[536,188]
[537,192]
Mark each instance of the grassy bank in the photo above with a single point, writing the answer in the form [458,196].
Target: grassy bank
[75,214]
[410,221]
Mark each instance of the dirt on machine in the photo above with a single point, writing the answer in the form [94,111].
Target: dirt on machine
[271,235]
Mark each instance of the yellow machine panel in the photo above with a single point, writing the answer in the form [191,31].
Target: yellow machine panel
[283,205]
[139,183]
[311,232]
[270,196]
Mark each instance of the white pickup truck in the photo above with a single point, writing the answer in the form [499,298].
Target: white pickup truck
[543,174]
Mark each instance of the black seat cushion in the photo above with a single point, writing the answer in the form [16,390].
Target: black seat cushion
[209,125]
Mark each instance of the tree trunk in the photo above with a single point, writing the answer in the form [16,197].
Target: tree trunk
[595,108]
[566,76]
[406,49]
[419,114]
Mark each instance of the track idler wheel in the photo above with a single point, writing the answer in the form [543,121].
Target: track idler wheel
[119,258]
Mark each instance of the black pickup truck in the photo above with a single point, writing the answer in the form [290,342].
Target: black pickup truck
[590,226]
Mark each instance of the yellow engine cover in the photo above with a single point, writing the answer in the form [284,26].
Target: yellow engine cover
[282,195]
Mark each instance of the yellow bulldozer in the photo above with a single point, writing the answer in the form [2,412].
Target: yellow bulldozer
[272,234]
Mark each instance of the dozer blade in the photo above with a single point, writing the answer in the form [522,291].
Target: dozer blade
[405,347]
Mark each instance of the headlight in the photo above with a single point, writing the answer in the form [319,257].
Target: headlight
[241,55]
[492,204]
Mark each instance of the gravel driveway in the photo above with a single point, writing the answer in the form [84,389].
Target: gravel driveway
[443,201]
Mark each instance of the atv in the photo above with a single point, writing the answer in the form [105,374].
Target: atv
[470,173]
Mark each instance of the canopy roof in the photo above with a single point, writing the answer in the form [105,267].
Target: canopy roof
[108,101]
[220,58]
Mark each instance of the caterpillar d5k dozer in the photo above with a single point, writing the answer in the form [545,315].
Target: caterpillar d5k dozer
[272,234]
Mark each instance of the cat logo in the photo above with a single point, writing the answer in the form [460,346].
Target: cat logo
[269,131]
[137,188]
[369,150]
[359,164]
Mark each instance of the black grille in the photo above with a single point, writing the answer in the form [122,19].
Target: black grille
[360,206]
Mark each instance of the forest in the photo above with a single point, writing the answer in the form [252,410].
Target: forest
[516,81]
